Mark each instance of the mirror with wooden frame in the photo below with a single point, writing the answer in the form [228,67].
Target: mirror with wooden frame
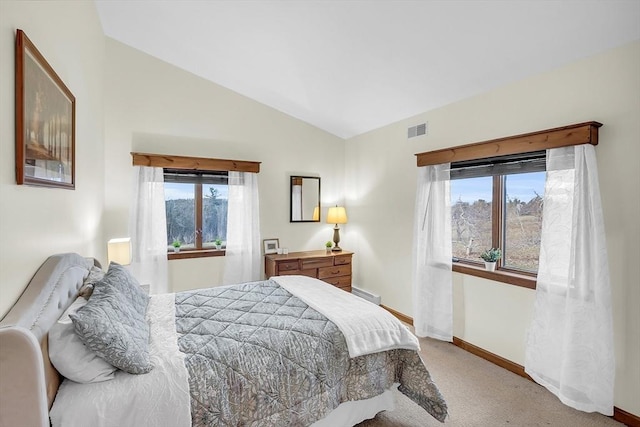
[304,199]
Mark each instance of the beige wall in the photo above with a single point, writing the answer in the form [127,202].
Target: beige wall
[380,181]
[36,222]
[132,102]
[154,107]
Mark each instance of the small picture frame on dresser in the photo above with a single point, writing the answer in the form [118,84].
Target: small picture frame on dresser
[271,246]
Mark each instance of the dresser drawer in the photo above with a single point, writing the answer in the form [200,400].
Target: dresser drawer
[342,270]
[342,260]
[311,272]
[340,282]
[315,263]
[288,266]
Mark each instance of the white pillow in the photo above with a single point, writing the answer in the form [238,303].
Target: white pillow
[71,357]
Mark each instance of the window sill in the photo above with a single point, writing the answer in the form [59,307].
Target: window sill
[203,253]
[498,275]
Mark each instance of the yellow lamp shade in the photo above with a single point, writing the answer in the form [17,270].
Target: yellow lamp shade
[119,251]
[337,215]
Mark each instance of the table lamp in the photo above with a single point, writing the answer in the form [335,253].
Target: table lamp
[336,215]
[119,251]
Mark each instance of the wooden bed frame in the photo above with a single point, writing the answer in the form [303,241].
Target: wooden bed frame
[29,380]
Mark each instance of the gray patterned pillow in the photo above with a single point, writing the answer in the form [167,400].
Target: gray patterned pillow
[113,323]
[119,277]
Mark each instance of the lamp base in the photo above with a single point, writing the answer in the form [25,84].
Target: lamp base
[336,239]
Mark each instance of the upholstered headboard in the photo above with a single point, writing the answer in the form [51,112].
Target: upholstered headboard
[29,381]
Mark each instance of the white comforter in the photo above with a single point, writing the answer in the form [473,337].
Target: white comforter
[366,327]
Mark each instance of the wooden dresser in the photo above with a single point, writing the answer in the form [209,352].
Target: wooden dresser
[331,267]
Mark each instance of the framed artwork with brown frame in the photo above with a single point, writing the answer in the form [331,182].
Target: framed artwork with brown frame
[45,121]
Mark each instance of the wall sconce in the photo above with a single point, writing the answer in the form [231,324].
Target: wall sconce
[119,251]
[336,215]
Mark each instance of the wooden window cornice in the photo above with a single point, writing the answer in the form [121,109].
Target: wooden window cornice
[581,133]
[194,163]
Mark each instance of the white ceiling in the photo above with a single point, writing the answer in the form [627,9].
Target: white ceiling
[352,66]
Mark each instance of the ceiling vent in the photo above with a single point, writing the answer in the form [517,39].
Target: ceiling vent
[417,130]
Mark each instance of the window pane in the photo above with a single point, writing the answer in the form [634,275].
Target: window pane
[471,217]
[214,215]
[180,206]
[523,220]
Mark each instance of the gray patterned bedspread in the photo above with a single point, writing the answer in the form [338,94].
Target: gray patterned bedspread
[259,356]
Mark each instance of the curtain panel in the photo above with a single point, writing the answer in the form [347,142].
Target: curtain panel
[148,229]
[243,252]
[569,347]
[432,275]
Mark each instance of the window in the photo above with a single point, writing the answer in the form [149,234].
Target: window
[196,208]
[497,203]
[196,200]
[511,203]
[522,225]
[471,201]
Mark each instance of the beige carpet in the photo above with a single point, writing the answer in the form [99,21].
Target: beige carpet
[479,393]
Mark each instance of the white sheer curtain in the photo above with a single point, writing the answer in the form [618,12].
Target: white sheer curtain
[242,259]
[569,346]
[432,276]
[148,229]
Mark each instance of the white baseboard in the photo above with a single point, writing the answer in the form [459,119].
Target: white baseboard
[369,296]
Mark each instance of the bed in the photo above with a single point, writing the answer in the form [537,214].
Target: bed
[288,351]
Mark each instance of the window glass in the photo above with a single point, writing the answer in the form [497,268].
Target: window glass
[471,202]
[196,206]
[523,220]
[180,207]
[214,215]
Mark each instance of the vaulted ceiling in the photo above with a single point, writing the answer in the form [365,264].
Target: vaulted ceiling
[352,66]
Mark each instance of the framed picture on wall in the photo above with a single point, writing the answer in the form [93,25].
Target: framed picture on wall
[45,121]
[271,246]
